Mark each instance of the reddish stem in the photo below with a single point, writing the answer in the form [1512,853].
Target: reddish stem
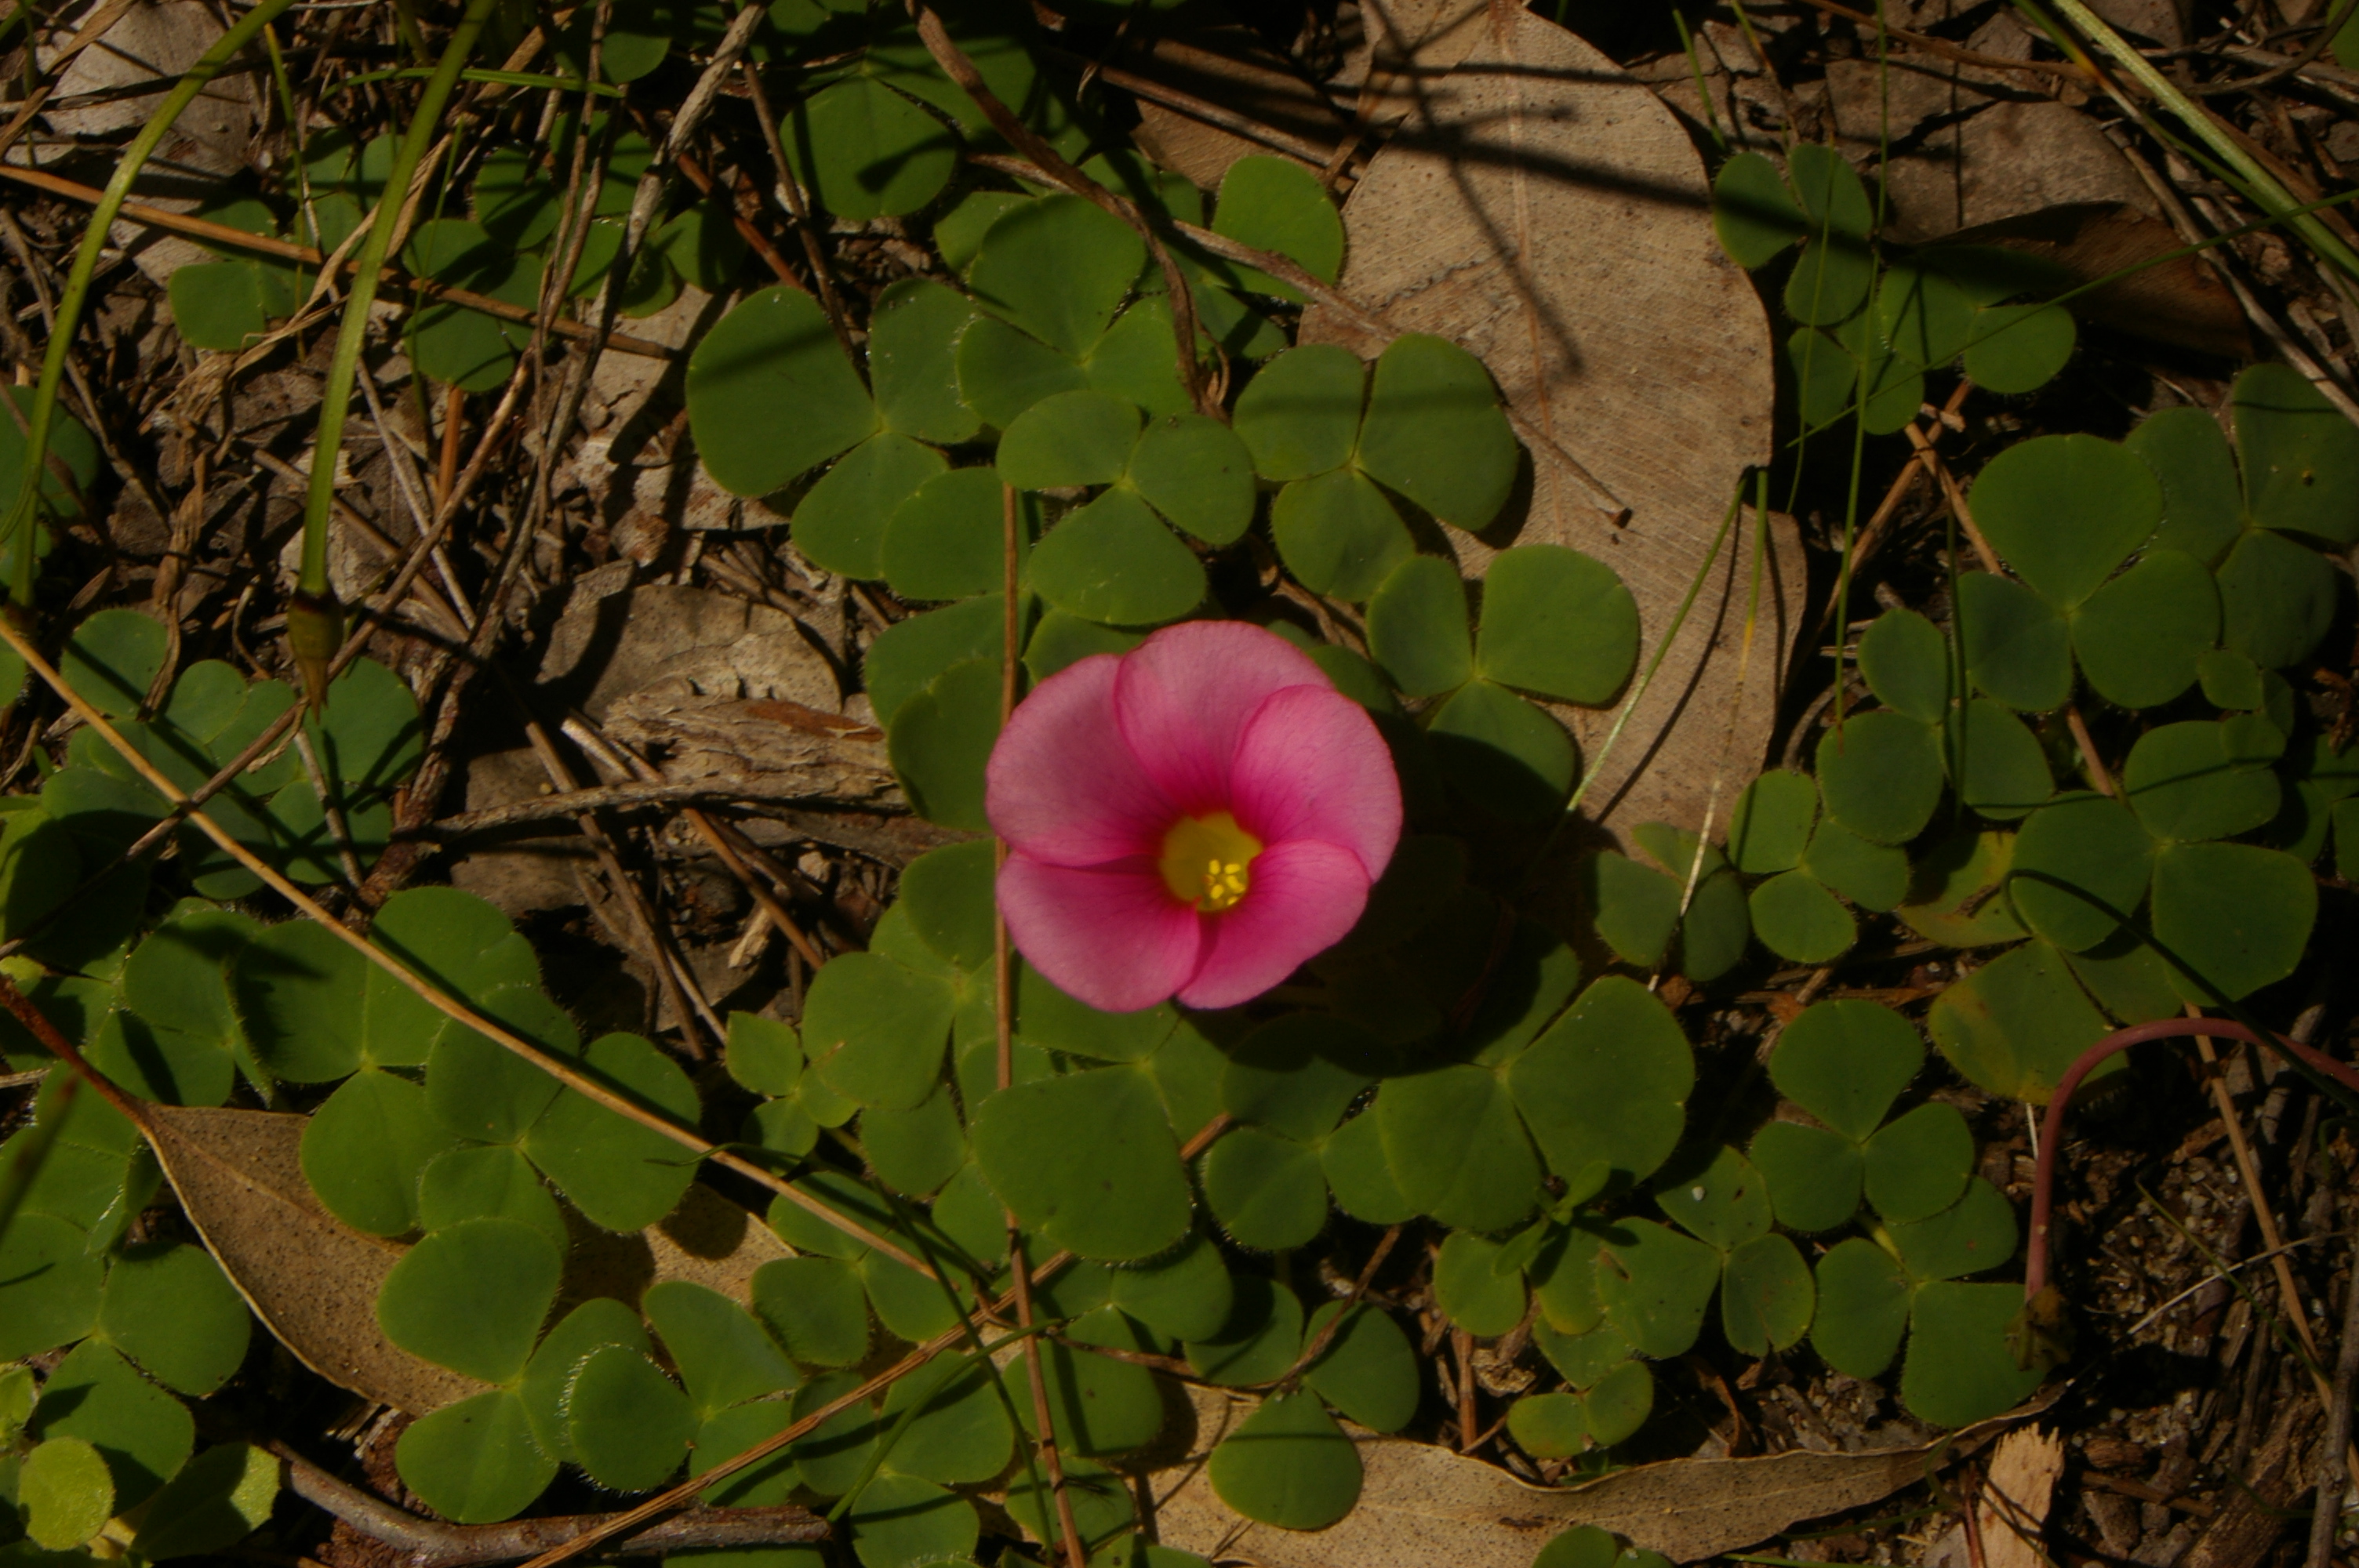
[2051,1125]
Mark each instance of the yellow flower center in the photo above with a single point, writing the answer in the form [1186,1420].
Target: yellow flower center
[1207,860]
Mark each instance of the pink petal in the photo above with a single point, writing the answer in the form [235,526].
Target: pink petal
[1305,896]
[1184,695]
[1311,766]
[1112,936]
[1060,787]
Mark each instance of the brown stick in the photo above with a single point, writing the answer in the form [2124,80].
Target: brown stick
[431,1544]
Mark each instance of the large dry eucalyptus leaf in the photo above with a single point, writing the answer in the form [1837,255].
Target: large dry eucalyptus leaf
[1545,210]
[313,1280]
[1421,1503]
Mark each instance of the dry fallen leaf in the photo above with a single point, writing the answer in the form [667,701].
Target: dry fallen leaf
[313,1280]
[310,1277]
[1424,1505]
[1231,76]
[1547,211]
[791,749]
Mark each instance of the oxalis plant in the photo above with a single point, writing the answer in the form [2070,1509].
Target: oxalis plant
[1241,942]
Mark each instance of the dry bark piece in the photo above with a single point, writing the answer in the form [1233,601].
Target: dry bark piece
[615,640]
[313,1280]
[2255,1511]
[1426,1505]
[791,748]
[2015,1497]
[1546,211]
[1233,71]
[2180,301]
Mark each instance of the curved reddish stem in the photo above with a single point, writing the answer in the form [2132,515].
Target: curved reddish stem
[2051,1125]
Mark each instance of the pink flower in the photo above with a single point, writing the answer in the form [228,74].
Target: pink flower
[1193,818]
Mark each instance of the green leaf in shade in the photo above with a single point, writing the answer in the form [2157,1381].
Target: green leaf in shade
[1863,1308]
[1113,561]
[220,1497]
[816,1308]
[1100,1405]
[622,1176]
[481,1090]
[1924,314]
[1268,1191]
[2276,599]
[2229,679]
[2301,456]
[1058,268]
[1339,534]
[1873,876]
[961,1432]
[2202,511]
[1550,1426]
[1880,774]
[907,656]
[1287,1465]
[1557,622]
[70,443]
[471,1297]
[1367,1370]
[2015,1025]
[1261,1340]
[1831,281]
[1831,190]
[1608,1083]
[1300,1073]
[219,305]
[1846,1062]
[1826,377]
[1799,919]
[1637,908]
[364,1148]
[913,336]
[2002,768]
[831,1459]
[2231,918]
[1003,371]
[1503,755]
[2138,636]
[625,1423]
[1048,1017]
[947,896]
[1906,661]
[1655,1284]
[1770,826]
[168,1307]
[1061,641]
[915,1151]
[1186,1293]
[1197,474]
[1975,1233]
[723,1354]
[1102,1509]
[2019,347]
[474,1462]
[1359,1176]
[1477,1295]
[143,1433]
[1753,214]
[2080,867]
[2023,498]
[1959,1369]
[1087,1160]
[771,395]
[50,1285]
[1276,204]
[2184,789]
[1299,416]
[1724,1203]
[65,1492]
[843,522]
[1957,876]
[1417,627]
[2018,646]
[1766,1296]
[1070,438]
[1434,431]
[1814,1175]
[864,151]
[941,739]
[766,1483]
[2128,977]
[1453,1146]
[1917,1164]
[948,539]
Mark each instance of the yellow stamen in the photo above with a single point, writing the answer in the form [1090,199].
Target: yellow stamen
[1207,860]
